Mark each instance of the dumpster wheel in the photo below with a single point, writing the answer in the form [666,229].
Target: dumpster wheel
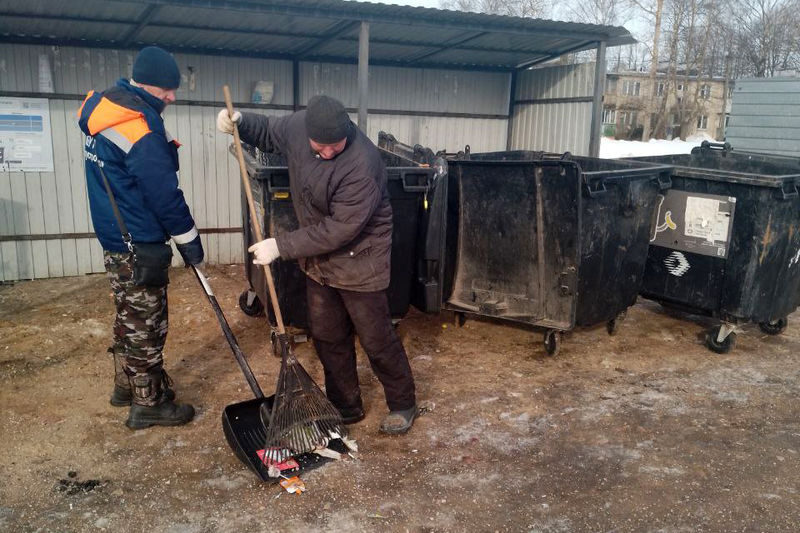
[724,346]
[612,326]
[552,342]
[254,307]
[773,327]
[276,346]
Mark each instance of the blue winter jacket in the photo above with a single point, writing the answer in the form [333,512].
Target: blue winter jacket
[126,135]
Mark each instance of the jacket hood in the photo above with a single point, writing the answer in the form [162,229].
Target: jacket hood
[117,106]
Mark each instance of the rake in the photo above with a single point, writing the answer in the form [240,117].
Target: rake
[302,418]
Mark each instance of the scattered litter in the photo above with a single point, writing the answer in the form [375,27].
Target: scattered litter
[426,406]
[330,454]
[375,515]
[350,443]
[277,457]
[293,485]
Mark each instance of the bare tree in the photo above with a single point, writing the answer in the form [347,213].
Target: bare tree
[514,8]
[766,35]
[655,10]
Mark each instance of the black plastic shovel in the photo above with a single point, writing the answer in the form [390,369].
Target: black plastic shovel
[241,422]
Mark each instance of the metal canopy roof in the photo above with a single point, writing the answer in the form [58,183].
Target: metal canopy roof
[308,30]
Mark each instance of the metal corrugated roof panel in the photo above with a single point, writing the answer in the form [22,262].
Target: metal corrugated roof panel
[237,21]
[70,8]
[87,31]
[399,35]
[219,40]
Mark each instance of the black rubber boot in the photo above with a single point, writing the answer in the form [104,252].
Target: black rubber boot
[150,404]
[122,396]
[352,415]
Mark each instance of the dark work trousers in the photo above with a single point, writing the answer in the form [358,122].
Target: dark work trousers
[334,316]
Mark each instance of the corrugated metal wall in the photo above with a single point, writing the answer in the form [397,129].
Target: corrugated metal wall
[33,205]
[540,123]
[765,116]
[421,91]
[36,204]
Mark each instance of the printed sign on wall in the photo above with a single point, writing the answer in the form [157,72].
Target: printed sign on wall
[25,141]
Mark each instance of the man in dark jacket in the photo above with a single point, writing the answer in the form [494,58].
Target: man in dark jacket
[127,145]
[339,192]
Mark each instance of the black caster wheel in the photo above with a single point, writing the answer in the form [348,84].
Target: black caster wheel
[720,347]
[612,326]
[773,327]
[552,342]
[276,345]
[255,308]
[459,319]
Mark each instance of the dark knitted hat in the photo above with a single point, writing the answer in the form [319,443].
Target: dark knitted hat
[327,121]
[155,66]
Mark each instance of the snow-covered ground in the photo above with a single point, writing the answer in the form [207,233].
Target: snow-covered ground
[613,149]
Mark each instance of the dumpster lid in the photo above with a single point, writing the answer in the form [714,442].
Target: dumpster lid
[720,162]
[592,168]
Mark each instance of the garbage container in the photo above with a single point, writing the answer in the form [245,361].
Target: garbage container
[725,242]
[408,183]
[555,241]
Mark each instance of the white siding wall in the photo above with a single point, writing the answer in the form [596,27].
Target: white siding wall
[765,116]
[421,91]
[554,127]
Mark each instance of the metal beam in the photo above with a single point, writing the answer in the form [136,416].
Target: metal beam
[447,45]
[147,15]
[597,103]
[557,53]
[363,75]
[295,85]
[336,30]
[512,100]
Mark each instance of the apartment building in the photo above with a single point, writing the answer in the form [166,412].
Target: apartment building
[677,107]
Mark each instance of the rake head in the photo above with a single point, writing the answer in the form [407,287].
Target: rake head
[302,418]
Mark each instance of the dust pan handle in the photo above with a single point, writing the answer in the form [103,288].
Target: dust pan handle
[273,296]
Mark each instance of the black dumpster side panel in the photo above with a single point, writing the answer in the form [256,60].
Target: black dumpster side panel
[497,225]
[615,234]
[760,278]
[560,186]
[270,184]
[513,242]
[698,288]
[406,207]
[536,242]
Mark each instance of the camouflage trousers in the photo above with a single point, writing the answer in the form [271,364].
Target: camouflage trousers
[140,328]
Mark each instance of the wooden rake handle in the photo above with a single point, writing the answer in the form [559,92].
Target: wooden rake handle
[273,296]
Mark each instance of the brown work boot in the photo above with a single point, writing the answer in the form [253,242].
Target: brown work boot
[122,396]
[150,404]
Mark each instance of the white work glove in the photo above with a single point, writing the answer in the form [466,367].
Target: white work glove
[265,252]
[224,122]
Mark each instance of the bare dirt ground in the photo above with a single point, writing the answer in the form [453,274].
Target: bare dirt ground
[643,431]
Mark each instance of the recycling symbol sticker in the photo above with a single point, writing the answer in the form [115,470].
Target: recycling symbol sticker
[677,264]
